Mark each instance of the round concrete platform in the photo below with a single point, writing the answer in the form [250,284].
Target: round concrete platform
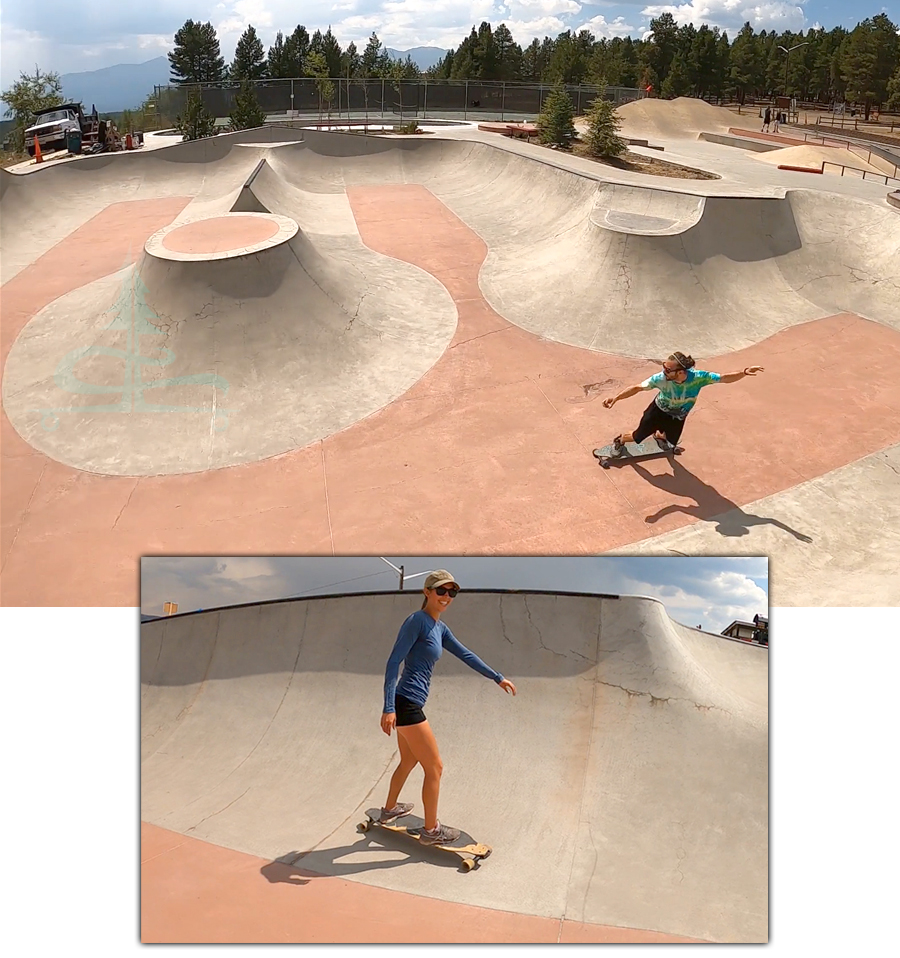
[221,237]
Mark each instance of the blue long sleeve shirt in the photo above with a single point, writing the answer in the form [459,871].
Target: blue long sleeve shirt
[419,645]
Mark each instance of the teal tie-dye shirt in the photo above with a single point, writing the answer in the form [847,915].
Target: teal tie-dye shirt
[677,399]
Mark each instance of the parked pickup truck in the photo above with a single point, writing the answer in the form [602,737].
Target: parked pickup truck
[52,125]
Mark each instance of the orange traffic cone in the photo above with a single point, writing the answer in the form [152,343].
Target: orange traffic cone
[37,151]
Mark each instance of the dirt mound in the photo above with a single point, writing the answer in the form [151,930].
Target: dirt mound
[682,118]
[813,156]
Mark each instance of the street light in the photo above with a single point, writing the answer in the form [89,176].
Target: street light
[787,59]
[402,573]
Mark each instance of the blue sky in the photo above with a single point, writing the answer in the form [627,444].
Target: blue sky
[711,592]
[69,37]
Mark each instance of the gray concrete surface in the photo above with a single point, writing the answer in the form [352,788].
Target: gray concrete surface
[626,783]
[852,515]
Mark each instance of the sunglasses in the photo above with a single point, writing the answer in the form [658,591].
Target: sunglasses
[443,590]
[671,373]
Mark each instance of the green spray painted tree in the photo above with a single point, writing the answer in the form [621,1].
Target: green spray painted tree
[556,119]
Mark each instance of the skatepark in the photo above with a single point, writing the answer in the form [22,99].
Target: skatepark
[623,790]
[289,340]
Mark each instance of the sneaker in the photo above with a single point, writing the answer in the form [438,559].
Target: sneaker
[618,446]
[442,835]
[389,815]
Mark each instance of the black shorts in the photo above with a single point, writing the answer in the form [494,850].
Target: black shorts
[655,419]
[408,713]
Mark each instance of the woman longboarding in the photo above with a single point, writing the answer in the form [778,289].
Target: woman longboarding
[420,642]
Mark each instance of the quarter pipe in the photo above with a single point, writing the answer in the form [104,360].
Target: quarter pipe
[625,785]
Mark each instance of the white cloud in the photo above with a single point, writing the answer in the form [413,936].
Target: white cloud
[600,27]
[546,8]
[731,15]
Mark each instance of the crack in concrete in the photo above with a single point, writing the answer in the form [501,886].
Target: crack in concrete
[195,826]
[656,700]
[538,631]
[127,503]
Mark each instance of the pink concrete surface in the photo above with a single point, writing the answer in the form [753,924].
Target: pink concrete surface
[777,138]
[483,455]
[220,235]
[192,891]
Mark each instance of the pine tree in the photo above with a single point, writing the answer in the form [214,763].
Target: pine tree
[332,52]
[372,57]
[278,63]
[677,83]
[249,57]
[509,54]
[351,61]
[316,66]
[196,57]
[296,50]
[869,58]
[555,121]
[247,114]
[602,137]
[196,122]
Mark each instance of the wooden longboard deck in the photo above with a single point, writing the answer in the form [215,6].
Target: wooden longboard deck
[648,449]
[465,847]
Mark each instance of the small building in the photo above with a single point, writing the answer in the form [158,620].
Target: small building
[740,630]
[755,631]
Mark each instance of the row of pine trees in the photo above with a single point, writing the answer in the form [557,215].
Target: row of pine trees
[860,65]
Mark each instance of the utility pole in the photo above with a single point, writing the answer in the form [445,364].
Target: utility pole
[401,571]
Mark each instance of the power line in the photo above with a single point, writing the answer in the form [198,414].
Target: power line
[330,585]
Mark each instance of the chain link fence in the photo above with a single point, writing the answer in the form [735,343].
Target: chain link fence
[388,99]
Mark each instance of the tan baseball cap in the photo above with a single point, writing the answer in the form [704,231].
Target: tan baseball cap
[440,577]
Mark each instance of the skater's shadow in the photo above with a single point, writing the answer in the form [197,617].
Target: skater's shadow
[731,520]
[297,868]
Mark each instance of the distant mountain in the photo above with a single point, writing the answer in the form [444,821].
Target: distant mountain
[423,57]
[126,85]
[122,87]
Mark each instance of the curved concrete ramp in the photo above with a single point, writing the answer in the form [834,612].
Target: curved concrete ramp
[647,212]
[258,354]
[625,785]
[745,269]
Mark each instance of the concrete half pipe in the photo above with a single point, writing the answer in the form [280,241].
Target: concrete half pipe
[625,785]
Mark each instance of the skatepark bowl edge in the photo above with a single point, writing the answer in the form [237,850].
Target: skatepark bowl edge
[293,341]
[623,790]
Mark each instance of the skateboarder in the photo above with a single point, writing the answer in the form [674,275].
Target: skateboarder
[678,384]
[419,644]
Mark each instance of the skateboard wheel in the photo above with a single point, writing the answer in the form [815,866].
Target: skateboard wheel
[604,463]
[362,827]
[468,864]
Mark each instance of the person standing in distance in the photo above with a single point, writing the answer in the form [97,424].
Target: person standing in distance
[420,642]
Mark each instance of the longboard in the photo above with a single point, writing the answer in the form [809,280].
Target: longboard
[633,451]
[464,847]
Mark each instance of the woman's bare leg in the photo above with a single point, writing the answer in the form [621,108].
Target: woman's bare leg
[424,747]
[408,762]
